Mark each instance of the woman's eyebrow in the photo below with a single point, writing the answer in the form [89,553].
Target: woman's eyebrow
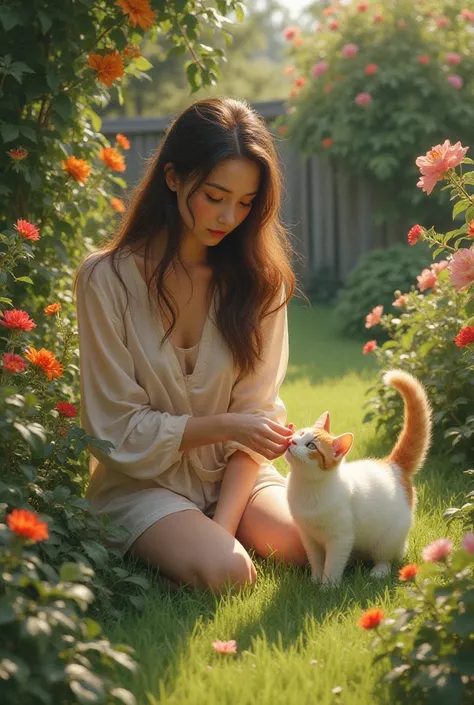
[223,188]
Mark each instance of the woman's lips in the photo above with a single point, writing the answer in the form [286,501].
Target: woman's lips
[219,233]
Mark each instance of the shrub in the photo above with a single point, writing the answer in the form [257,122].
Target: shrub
[51,652]
[372,86]
[373,281]
[428,644]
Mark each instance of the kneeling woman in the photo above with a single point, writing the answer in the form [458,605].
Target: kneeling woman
[183,347]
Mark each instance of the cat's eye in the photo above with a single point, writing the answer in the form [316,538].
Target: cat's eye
[311,445]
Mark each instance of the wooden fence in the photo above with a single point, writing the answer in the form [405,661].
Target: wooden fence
[329,213]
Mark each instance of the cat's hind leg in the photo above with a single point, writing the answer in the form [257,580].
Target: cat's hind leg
[392,547]
[315,553]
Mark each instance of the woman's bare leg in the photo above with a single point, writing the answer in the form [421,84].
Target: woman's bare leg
[268,527]
[189,548]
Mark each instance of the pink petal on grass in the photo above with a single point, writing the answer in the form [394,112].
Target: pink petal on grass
[225,647]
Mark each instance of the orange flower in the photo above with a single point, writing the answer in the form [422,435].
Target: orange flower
[46,361]
[109,67]
[470,231]
[415,234]
[283,129]
[122,141]
[13,363]
[327,142]
[112,158]
[66,409]
[371,618]
[17,319]
[17,154]
[28,525]
[423,59]
[132,52]
[139,12]
[52,309]
[118,205]
[300,82]
[408,572]
[27,230]
[79,169]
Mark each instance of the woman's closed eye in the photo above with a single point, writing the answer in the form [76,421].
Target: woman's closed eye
[219,200]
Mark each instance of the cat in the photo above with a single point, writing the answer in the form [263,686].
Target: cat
[364,506]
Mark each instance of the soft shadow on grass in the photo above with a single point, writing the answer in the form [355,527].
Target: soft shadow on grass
[318,352]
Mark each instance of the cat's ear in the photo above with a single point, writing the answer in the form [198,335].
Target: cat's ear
[324,421]
[342,444]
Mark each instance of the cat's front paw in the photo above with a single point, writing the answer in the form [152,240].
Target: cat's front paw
[329,583]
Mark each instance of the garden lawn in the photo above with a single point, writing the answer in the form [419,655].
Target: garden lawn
[296,644]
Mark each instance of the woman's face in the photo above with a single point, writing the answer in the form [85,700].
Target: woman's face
[221,203]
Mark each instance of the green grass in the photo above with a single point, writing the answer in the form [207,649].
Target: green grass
[296,644]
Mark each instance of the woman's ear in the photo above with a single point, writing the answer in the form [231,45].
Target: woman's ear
[170,177]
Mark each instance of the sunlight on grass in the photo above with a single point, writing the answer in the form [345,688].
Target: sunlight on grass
[296,644]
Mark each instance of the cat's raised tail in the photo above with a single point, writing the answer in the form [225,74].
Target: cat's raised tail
[414,441]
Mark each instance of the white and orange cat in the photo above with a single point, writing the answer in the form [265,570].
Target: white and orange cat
[363,507]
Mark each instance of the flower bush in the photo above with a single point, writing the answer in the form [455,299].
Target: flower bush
[60,180]
[51,652]
[428,645]
[372,283]
[430,335]
[370,87]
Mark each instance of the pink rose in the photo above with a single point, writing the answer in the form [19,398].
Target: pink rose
[369,347]
[401,301]
[438,267]
[437,162]
[349,51]
[437,550]
[453,58]
[371,69]
[373,318]
[290,33]
[319,68]
[468,543]
[427,280]
[455,81]
[467,15]
[363,99]
[461,268]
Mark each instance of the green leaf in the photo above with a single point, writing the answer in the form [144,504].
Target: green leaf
[9,18]
[142,64]
[7,615]
[34,434]
[9,132]
[70,572]
[44,20]
[461,206]
[125,696]
[86,686]
[138,580]
[240,12]
[27,280]
[96,552]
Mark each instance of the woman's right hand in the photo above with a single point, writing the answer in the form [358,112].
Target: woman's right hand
[260,434]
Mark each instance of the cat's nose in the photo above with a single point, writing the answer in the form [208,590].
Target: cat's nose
[292,442]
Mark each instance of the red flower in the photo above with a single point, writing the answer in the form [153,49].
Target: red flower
[465,337]
[300,82]
[470,231]
[423,59]
[408,572]
[327,142]
[17,319]
[27,230]
[13,363]
[27,524]
[371,618]
[17,154]
[415,234]
[371,69]
[369,347]
[66,409]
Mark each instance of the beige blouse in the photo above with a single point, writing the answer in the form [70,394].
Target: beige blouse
[134,392]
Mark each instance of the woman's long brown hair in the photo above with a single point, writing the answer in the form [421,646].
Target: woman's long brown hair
[252,265]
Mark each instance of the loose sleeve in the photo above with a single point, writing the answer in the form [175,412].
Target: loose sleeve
[114,407]
[258,393]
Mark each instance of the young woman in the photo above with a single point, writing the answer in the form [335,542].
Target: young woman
[183,348]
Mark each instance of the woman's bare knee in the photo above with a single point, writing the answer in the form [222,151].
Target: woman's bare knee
[223,572]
